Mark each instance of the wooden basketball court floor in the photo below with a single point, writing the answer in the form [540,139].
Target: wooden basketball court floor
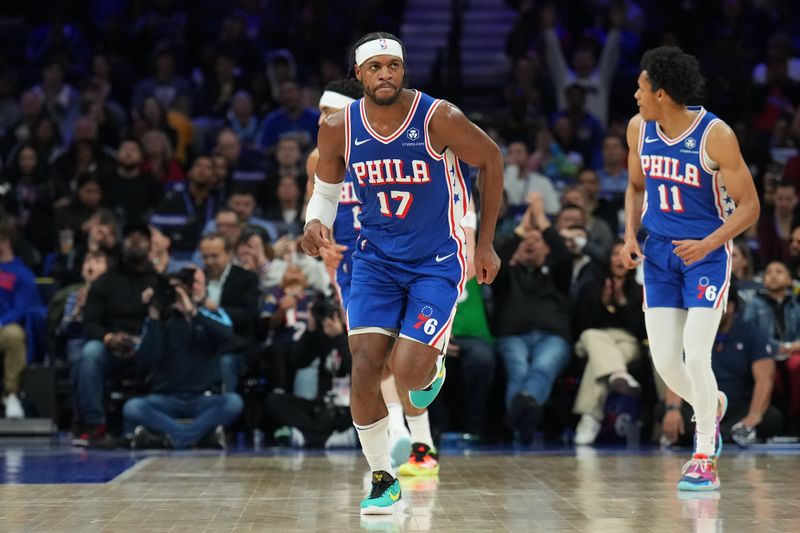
[55,488]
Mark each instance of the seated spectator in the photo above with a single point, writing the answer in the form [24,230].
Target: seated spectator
[185,211]
[776,223]
[113,317]
[794,253]
[531,320]
[248,167]
[216,90]
[60,99]
[241,118]
[243,202]
[165,84]
[234,290]
[149,116]
[552,161]
[285,312]
[158,159]
[584,268]
[286,215]
[18,293]
[613,172]
[291,117]
[518,181]
[179,349]
[129,192]
[587,131]
[324,419]
[743,364]
[743,271]
[600,237]
[775,311]
[83,204]
[84,154]
[102,228]
[609,323]
[67,307]
[255,255]
[162,261]
[597,205]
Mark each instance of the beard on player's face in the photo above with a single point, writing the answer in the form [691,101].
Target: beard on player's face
[383,100]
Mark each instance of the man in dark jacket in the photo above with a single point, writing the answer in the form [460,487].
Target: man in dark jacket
[113,318]
[532,316]
[180,346]
[236,291]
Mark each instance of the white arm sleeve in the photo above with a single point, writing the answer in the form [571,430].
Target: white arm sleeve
[324,202]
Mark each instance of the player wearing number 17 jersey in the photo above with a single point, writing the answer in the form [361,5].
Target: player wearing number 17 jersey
[403,149]
[693,193]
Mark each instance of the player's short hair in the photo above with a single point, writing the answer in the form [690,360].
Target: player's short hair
[351,88]
[371,37]
[675,71]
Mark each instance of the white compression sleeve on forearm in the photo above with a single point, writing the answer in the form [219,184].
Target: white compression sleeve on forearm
[324,202]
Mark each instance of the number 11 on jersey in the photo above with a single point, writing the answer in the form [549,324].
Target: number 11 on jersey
[677,206]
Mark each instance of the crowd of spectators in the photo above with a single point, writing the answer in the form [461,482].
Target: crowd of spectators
[141,139]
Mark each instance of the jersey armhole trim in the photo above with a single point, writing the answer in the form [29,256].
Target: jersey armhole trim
[640,144]
[706,162]
[428,145]
[347,137]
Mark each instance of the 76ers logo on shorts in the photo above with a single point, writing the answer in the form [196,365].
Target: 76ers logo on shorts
[704,290]
[425,321]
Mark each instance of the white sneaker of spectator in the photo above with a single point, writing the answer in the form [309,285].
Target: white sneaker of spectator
[13,406]
[342,439]
[587,430]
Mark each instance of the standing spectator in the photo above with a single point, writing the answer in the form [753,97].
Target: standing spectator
[610,327]
[185,211]
[113,317]
[291,117]
[18,294]
[235,291]
[180,348]
[595,78]
[613,173]
[130,192]
[531,320]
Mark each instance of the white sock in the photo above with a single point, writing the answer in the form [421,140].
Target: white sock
[375,445]
[420,429]
[698,339]
[665,326]
[396,420]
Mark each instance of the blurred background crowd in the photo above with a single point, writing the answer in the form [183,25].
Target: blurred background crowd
[141,138]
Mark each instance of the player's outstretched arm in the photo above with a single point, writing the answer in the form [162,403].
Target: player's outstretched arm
[634,196]
[321,208]
[723,148]
[450,128]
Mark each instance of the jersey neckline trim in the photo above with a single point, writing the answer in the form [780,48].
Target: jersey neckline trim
[386,140]
[671,142]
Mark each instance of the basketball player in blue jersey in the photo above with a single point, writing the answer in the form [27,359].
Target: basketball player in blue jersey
[693,192]
[404,150]
[338,258]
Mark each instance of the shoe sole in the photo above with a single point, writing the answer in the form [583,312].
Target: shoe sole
[691,487]
[417,472]
[401,450]
[372,510]
[423,398]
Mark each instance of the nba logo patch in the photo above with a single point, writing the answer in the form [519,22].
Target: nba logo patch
[383,45]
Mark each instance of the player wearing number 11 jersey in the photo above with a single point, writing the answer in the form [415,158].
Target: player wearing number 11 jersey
[693,193]
[404,151]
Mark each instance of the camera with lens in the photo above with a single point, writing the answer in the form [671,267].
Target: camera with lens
[164,293]
[322,308]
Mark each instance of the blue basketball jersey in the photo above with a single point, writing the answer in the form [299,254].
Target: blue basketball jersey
[685,197]
[346,225]
[412,198]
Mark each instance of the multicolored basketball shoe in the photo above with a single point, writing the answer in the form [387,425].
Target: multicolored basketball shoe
[421,399]
[699,474]
[384,497]
[423,461]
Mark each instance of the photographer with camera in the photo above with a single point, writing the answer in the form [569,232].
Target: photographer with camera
[325,420]
[113,317]
[180,346]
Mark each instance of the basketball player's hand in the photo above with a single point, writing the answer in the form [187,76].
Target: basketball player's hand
[332,256]
[672,425]
[315,237]
[691,251]
[632,255]
[487,263]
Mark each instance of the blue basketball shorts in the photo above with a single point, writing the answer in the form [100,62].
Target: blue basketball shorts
[343,278]
[415,301]
[668,282]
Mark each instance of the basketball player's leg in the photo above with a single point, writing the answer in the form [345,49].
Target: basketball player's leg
[422,458]
[374,314]
[399,436]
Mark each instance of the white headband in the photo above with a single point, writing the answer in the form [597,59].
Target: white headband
[378,47]
[334,100]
